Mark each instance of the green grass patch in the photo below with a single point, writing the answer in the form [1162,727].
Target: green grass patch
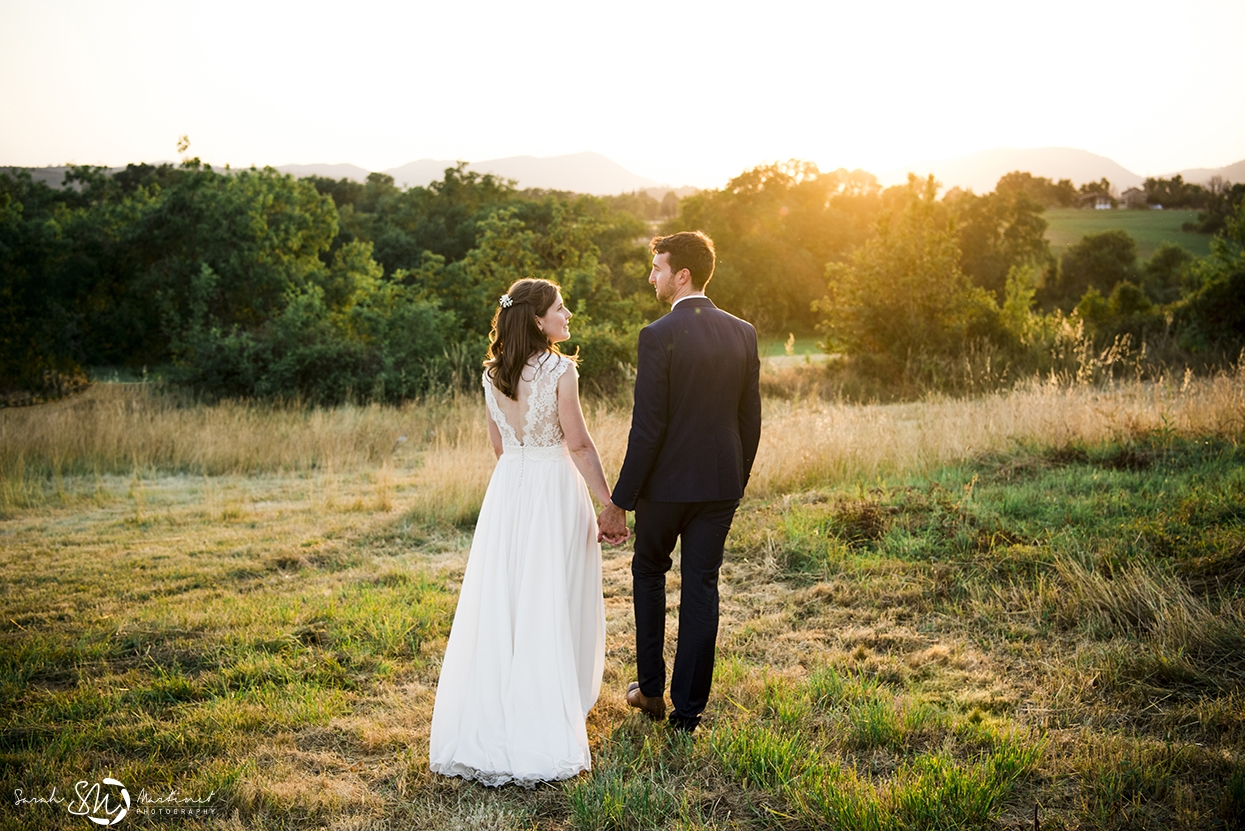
[1150,229]
[758,757]
[933,791]
[619,800]
[927,790]
[634,783]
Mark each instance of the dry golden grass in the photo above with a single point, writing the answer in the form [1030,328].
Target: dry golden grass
[116,428]
[816,443]
[806,444]
[127,429]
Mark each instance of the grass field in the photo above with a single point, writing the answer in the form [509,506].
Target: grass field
[947,614]
[1149,228]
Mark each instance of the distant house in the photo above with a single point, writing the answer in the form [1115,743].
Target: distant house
[1134,198]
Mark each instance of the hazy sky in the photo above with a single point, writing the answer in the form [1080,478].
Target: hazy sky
[681,92]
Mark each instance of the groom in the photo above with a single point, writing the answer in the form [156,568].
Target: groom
[694,435]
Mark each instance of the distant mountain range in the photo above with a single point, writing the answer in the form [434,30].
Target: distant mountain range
[981,171]
[579,172]
[595,174]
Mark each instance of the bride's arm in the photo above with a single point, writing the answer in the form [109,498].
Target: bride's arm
[494,435]
[578,440]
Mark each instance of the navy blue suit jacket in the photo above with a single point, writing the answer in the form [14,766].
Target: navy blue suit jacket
[697,417]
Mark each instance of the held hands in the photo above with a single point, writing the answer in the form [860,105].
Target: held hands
[612,525]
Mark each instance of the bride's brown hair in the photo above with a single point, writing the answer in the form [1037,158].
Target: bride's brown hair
[515,337]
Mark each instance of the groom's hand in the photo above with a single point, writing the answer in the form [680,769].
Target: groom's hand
[612,525]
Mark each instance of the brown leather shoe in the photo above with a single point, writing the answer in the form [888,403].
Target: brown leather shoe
[654,708]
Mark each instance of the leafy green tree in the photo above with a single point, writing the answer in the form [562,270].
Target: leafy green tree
[32,324]
[669,205]
[446,221]
[1222,199]
[1102,186]
[353,336]
[1211,318]
[775,227]
[442,218]
[621,292]
[1039,189]
[639,205]
[1098,261]
[345,192]
[136,176]
[1163,274]
[902,295]
[248,280]
[558,246]
[259,232]
[65,280]
[1127,311]
[1174,193]
[249,306]
[998,232]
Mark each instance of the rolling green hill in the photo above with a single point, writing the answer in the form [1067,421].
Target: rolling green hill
[1149,228]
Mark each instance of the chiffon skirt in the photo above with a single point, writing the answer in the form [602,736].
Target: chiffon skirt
[527,649]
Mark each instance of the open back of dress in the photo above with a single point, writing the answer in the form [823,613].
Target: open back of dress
[532,419]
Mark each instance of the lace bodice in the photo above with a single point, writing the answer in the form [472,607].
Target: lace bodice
[539,387]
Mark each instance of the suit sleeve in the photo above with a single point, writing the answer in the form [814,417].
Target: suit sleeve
[648,419]
[750,409]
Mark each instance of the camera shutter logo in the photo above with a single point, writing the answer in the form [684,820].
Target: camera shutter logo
[124,809]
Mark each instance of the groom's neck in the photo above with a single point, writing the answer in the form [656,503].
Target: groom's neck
[688,292]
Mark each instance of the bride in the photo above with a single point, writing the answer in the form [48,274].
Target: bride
[525,655]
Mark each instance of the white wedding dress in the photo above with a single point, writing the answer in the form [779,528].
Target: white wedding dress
[527,649]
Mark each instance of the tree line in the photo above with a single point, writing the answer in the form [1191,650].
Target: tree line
[255,284]
[937,288]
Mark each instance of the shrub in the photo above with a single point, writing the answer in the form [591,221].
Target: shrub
[1098,261]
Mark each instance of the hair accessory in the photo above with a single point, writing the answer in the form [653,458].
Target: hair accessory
[505,301]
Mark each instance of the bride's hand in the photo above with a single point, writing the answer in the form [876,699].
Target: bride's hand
[612,525]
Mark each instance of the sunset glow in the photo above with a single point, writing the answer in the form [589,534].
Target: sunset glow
[680,92]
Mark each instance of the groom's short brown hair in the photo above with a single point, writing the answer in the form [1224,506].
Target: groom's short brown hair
[692,250]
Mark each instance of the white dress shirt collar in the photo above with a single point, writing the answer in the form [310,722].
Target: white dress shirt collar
[685,297]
